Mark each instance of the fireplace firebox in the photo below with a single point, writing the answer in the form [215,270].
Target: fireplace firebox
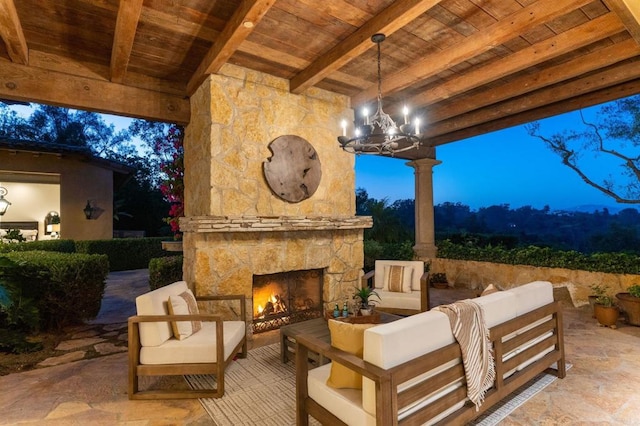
[286,297]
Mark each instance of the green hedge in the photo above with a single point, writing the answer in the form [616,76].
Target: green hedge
[614,263]
[164,271]
[374,250]
[67,287]
[125,253]
[62,246]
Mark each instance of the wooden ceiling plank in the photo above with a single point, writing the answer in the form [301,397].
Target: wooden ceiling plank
[587,100]
[549,95]
[598,59]
[26,83]
[123,37]
[12,34]
[234,33]
[390,20]
[629,13]
[492,36]
[583,35]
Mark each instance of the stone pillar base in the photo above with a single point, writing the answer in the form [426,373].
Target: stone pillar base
[425,251]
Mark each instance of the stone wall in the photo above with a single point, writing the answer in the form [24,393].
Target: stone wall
[478,275]
[234,225]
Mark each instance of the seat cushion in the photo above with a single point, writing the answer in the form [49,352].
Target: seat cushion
[199,348]
[390,299]
[155,303]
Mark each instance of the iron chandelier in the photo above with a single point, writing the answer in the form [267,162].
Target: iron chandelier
[379,134]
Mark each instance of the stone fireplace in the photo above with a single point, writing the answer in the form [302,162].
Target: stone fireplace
[235,227]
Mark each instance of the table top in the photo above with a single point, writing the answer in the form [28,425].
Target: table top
[319,327]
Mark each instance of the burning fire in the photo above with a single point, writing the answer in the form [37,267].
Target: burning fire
[274,305]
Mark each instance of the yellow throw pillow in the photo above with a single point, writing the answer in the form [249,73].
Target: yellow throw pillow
[397,279]
[349,338]
[490,289]
[184,304]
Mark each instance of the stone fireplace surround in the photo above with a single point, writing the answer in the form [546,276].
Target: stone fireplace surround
[229,251]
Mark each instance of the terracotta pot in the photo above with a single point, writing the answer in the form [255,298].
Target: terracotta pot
[606,315]
[630,305]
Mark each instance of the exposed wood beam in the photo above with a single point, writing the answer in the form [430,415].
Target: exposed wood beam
[124,34]
[490,37]
[241,24]
[27,83]
[629,13]
[583,35]
[390,20]
[587,100]
[618,74]
[11,33]
[598,59]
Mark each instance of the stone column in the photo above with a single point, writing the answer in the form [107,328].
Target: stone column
[425,247]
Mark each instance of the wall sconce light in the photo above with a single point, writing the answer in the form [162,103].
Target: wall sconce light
[88,210]
[4,204]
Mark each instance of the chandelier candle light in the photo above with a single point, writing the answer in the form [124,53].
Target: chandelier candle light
[379,134]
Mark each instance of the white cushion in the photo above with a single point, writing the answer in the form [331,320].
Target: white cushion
[416,265]
[390,299]
[155,303]
[199,348]
[346,404]
[498,307]
[184,304]
[392,344]
[532,296]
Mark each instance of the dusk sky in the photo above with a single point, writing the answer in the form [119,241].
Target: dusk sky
[503,167]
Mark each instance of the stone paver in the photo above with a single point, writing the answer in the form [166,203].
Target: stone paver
[63,359]
[68,345]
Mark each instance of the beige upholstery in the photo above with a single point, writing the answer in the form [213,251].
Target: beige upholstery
[154,350]
[415,300]
[412,366]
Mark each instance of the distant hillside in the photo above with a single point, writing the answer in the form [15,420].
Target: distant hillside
[590,208]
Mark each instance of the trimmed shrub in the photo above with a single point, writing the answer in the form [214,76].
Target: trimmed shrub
[125,253]
[373,250]
[62,246]
[67,287]
[164,271]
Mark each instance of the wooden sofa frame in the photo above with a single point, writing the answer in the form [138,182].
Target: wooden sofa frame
[136,369]
[389,401]
[367,280]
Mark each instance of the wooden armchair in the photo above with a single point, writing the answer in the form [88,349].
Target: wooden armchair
[155,351]
[409,296]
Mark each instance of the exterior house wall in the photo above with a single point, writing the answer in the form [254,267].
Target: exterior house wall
[79,181]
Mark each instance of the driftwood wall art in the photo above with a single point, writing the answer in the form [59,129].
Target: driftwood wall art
[293,172]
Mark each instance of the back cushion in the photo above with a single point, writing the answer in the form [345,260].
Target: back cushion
[498,307]
[388,345]
[155,303]
[532,296]
[415,272]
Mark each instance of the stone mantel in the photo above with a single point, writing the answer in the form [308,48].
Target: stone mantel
[208,224]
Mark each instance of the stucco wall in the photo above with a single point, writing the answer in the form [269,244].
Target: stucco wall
[478,275]
[79,182]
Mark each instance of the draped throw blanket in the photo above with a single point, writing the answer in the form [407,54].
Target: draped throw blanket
[470,330]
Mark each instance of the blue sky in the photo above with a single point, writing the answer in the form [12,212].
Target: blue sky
[503,167]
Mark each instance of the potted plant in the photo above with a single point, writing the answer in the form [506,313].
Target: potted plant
[439,280]
[605,309]
[364,293]
[597,291]
[629,303]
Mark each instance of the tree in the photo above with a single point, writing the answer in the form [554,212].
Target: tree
[614,139]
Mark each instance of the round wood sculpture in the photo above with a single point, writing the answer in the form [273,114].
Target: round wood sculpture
[293,172]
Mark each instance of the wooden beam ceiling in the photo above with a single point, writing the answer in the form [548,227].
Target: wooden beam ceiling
[23,83]
[629,12]
[11,33]
[237,29]
[124,34]
[390,20]
[492,36]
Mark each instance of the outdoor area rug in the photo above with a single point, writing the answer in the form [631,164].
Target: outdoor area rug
[260,390]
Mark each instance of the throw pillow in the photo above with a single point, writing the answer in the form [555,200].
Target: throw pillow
[490,289]
[397,279]
[184,304]
[349,338]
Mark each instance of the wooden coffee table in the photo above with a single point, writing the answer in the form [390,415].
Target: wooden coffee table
[317,328]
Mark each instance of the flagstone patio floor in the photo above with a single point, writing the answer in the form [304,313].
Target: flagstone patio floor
[601,387]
